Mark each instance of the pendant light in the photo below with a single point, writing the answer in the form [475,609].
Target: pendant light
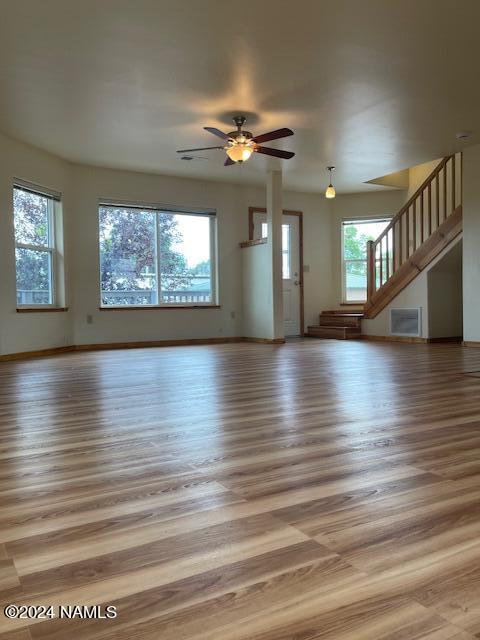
[330,192]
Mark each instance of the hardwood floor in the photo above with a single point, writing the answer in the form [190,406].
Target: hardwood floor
[317,490]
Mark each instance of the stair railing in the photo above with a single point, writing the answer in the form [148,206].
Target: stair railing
[433,202]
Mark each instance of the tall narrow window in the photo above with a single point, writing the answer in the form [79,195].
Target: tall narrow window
[355,234]
[34,219]
[286,252]
[150,257]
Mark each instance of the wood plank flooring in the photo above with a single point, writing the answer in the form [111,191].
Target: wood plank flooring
[317,490]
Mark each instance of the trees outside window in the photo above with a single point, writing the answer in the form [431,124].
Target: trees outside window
[152,257]
[34,247]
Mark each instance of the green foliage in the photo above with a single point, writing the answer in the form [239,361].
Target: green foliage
[173,266]
[355,248]
[31,219]
[201,269]
[128,253]
[354,245]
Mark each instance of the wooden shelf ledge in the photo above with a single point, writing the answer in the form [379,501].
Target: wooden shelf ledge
[41,309]
[252,243]
[160,307]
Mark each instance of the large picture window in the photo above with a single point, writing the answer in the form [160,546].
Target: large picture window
[355,234]
[34,220]
[150,257]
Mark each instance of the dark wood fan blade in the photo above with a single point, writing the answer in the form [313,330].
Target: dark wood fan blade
[228,162]
[217,132]
[273,135]
[278,153]
[199,149]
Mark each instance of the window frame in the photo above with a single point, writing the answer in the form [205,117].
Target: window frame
[51,248]
[343,223]
[211,214]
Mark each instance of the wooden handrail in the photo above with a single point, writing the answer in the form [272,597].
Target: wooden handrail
[419,260]
[417,193]
[419,219]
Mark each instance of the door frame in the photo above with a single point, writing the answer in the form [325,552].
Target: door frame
[288,212]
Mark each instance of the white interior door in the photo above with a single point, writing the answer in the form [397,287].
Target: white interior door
[290,267]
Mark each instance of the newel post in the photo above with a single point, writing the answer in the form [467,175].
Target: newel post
[370,269]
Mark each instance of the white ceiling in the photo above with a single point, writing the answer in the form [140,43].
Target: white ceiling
[372,86]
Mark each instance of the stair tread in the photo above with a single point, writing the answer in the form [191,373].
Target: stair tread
[327,319]
[339,324]
[343,311]
[342,333]
[334,327]
[341,314]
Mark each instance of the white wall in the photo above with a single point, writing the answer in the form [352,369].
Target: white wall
[415,295]
[427,293]
[231,203]
[257,292]
[471,244]
[417,175]
[445,301]
[29,331]
[91,184]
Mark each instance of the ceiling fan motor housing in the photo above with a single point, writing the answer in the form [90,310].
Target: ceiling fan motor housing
[239,133]
[239,121]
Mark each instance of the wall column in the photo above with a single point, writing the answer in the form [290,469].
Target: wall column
[471,242]
[274,220]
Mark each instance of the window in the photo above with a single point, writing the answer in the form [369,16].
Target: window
[152,257]
[286,254]
[35,216]
[355,234]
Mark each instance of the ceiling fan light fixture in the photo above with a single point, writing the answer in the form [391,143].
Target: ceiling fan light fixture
[330,191]
[240,151]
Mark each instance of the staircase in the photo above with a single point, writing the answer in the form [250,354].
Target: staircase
[337,325]
[421,230]
[423,227]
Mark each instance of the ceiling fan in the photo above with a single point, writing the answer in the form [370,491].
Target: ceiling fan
[239,145]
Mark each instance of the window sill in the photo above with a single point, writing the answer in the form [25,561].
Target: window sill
[41,309]
[353,304]
[160,307]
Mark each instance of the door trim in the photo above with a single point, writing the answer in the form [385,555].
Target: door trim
[299,214]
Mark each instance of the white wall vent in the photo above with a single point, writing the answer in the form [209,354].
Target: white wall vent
[406,322]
